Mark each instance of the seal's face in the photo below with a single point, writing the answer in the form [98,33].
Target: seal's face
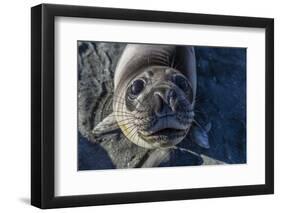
[156,109]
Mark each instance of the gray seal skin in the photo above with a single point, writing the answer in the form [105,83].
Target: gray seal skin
[154,96]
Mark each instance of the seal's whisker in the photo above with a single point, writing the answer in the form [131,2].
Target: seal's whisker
[128,122]
[199,125]
[125,116]
[133,133]
[161,54]
[178,64]
[122,113]
[198,99]
[136,133]
[129,114]
[116,98]
[199,112]
[128,127]
[143,110]
[176,67]
[119,113]
[168,58]
[162,63]
[119,99]
[132,128]
[174,56]
[125,120]
[135,136]
[173,61]
[121,102]
[161,60]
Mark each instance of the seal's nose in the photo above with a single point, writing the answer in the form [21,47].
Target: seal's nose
[165,99]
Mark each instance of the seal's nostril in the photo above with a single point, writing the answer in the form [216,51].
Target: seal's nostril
[165,103]
[172,97]
[172,94]
[158,103]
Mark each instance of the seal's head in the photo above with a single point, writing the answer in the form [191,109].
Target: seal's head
[156,107]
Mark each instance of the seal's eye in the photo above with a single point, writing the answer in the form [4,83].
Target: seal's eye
[137,86]
[184,85]
[181,82]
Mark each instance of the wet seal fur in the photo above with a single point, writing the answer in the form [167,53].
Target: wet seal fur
[154,97]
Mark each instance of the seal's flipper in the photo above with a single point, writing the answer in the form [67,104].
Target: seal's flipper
[106,126]
[156,157]
[199,135]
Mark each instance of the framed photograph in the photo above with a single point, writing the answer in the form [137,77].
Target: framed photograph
[139,106]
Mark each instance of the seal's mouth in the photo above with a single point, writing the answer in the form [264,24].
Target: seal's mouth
[165,130]
[165,126]
[164,137]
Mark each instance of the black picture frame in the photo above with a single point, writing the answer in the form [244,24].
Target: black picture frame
[43,102]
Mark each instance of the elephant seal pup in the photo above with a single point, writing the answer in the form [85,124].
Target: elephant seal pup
[154,96]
